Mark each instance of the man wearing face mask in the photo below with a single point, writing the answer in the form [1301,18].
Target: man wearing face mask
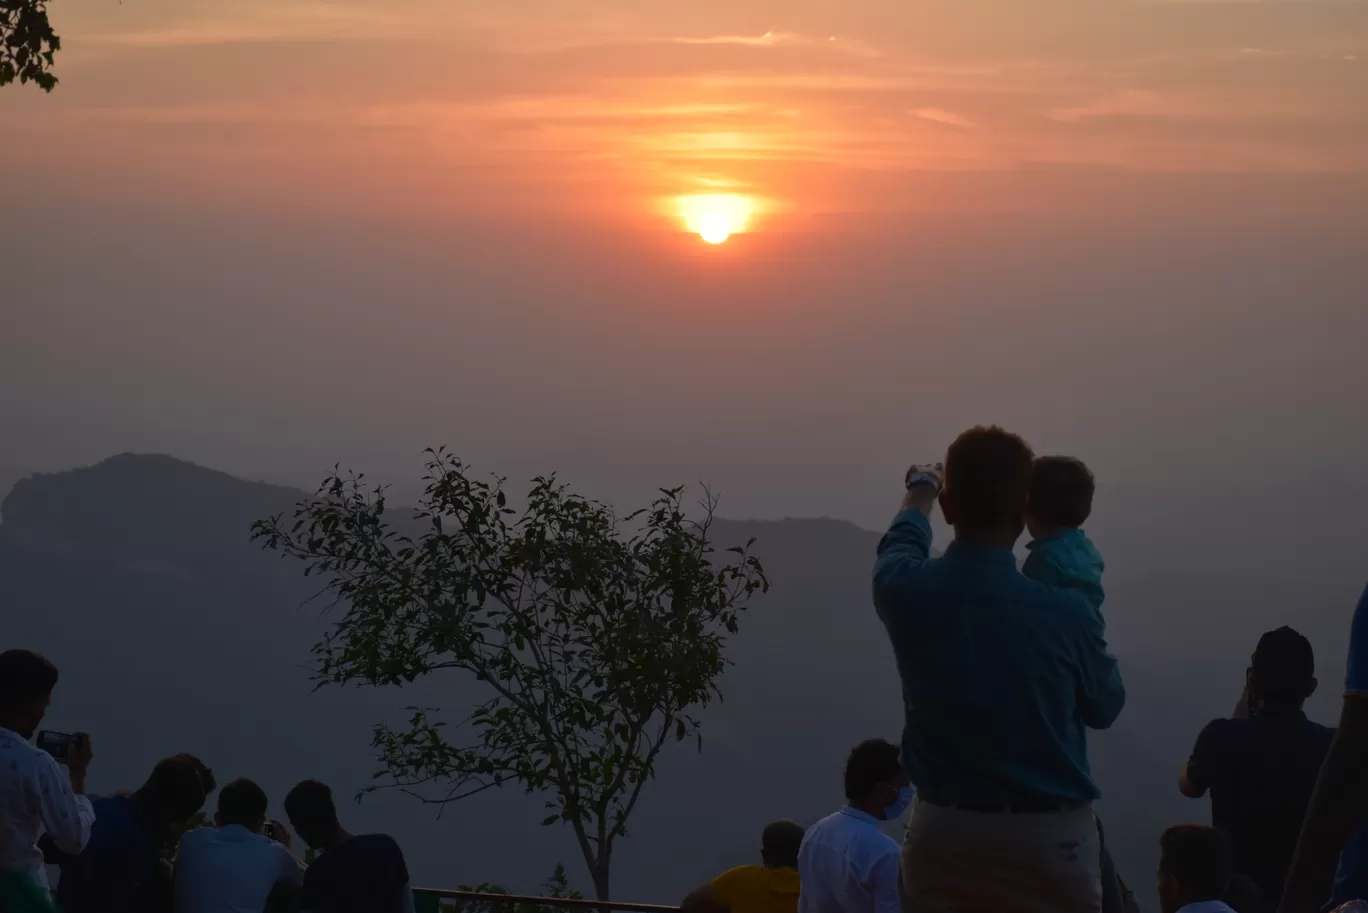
[846,864]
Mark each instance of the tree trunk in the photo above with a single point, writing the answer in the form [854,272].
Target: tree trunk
[601,882]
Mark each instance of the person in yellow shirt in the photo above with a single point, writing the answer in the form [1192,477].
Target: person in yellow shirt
[768,888]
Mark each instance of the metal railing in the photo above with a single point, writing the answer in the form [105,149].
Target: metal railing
[429,900]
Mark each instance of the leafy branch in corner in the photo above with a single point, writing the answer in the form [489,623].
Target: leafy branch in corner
[27,44]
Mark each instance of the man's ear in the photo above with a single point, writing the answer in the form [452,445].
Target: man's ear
[947,505]
[1311,689]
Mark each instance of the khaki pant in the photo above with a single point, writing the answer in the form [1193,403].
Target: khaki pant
[957,861]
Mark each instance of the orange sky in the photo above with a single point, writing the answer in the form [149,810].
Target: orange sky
[607,105]
[270,235]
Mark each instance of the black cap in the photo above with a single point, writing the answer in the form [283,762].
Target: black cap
[1284,664]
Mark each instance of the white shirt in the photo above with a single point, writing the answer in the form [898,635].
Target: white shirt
[847,865]
[230,870]
[36,799]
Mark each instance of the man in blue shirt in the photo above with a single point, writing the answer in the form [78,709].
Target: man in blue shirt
[123,868]
[1336,825]
[1001,678]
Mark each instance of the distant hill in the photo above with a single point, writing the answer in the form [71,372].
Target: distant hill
[8,476]
[175,633]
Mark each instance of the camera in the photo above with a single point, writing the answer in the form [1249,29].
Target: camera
[57,744]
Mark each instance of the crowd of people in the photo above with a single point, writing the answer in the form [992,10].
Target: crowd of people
[131,852]
[1003,670]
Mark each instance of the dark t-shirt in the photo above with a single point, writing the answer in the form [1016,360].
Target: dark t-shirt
[120,870]
[365,874]
[1261,772]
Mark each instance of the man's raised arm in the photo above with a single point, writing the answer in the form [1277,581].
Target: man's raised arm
[907,544]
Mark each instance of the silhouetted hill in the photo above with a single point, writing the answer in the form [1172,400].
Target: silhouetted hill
[175,633]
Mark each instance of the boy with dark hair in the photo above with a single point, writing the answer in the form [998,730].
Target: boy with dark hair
[1061,554]
[36,796]
[846,864]
[235,867]
[1194,870]
[352,874]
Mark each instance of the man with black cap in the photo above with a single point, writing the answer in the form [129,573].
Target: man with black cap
[1262,764]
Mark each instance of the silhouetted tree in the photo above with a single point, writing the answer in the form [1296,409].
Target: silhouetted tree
[27,43]
[596,637]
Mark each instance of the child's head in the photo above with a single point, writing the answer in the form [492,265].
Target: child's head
[1061,495]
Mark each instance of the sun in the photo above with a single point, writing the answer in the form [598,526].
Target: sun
[715,217]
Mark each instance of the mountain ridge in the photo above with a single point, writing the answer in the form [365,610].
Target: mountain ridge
[175,632]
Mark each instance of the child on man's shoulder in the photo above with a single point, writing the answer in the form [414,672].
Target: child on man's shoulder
[1062,555]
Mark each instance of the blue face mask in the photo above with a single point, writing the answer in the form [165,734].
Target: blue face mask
[895,811]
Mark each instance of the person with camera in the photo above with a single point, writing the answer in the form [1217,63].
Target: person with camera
[354,873]
[242,863]
[125,866]
[1260,766]
[36,796]
[1002,676]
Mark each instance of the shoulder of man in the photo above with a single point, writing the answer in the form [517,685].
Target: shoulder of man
[739,876]
[193,840]
[376,844]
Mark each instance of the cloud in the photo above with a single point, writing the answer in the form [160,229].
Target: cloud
[1131,103]
[941,116]
[769,39]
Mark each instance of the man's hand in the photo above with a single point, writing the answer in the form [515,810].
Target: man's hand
[78,760]
[279,833]
[922,495]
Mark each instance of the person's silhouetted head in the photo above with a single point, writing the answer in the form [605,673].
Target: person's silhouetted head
[1283,670]
[244,803]
[1194,866]
[176,790]
[987,485]
[26,683]
[779,844]
[312,813]
[875,780]
[1061,495]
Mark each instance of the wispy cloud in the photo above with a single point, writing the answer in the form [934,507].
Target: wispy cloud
[1132,103]
[768,39]
[941,116]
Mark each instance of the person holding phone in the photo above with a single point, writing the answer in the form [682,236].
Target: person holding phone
[36,796]
[1002,676]
[241,863]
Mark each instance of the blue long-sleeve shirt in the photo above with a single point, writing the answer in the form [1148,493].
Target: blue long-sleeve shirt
[1001,675]
[1067,559]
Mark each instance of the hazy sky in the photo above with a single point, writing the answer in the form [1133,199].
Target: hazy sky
[271,235]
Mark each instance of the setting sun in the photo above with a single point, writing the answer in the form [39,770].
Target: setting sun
[715,217]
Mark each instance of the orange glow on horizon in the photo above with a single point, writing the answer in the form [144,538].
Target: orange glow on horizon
[715,217]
